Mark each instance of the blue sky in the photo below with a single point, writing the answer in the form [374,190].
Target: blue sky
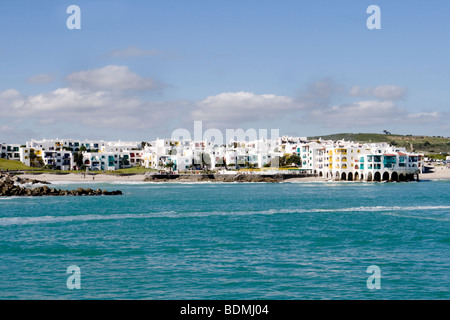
[140,69]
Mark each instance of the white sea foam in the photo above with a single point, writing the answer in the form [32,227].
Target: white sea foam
[79,218]
[391,211]
[62,182]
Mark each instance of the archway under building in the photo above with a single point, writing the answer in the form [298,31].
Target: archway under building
[386,176]
[350,176]
[377,176]
[394,176]
[343,176]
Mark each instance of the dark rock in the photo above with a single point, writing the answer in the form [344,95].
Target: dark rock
[8,189]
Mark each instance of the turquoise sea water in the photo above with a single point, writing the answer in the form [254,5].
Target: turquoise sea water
[230,241]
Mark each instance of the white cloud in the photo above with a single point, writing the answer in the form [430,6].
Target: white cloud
[92,108]
[231,108]
[10,99]
[423,115]
[426,117]
[65,99]
[383,92]
[102,98]
[111,77]
[318,94]
[9,94]
[362,113]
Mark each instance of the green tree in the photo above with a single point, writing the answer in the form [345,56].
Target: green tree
[293,159]
[32,158]
[78,159]
[170,165]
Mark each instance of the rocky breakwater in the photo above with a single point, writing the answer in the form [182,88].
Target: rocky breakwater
[214,178]
[10,186]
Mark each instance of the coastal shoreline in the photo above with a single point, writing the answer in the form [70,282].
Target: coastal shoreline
[440,173]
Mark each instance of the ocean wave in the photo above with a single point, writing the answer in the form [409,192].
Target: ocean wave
[62,182]
[391,211]
[74,218]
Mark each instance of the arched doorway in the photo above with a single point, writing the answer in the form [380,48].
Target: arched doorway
[369,176]
[337,175]
[386,176]
[320,174]
[350,176]
[344,176]
[356,176]
[377,176]
[402,177]
[394,176]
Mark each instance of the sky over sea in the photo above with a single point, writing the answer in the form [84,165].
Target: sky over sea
[138,70]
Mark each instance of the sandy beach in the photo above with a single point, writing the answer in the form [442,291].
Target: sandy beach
[440,173]
[74,177]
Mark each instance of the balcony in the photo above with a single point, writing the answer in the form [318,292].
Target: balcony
[341,151]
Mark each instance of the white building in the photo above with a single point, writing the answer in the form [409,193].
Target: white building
[374,162]
[10,151]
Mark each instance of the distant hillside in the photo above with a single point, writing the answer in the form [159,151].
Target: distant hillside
[425,144]
[13,165]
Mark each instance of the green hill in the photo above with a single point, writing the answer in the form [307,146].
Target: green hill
[424,144]
[13,165]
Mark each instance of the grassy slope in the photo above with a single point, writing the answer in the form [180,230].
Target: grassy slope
[425,144]
[17,165]
[13,165]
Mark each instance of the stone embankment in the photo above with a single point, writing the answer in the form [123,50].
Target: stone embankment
[13,186]
[222,177]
